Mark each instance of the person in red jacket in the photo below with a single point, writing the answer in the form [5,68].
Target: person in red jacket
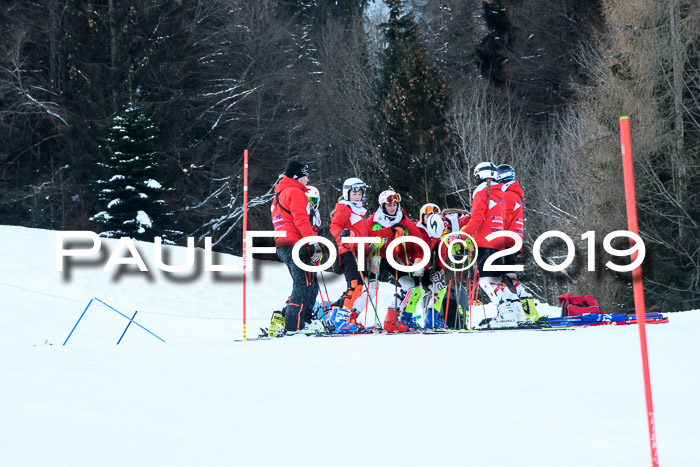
[349,219]
[390,214]
[429,281]
[291,213]
[514,221]
[487,216]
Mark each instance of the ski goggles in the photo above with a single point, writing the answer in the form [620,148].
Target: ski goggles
[313,200]
[391,199]
[428,210]
[357,188]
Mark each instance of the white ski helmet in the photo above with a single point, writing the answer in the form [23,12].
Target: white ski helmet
[434,225]
[312,194]
[427,209]
[485,171]
[389,196]
[353,184]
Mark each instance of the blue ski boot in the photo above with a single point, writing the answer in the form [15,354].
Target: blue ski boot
[344,321]
[409,320]
[433,320]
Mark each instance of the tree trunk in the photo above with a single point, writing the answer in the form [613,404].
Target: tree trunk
[678,163]
[113,54]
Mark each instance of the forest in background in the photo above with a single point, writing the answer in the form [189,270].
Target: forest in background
[127,97]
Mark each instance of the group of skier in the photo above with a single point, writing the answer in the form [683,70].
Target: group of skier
[496,206]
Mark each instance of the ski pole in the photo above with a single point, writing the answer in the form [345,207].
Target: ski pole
[376,291]
[323,281]
[367,296]
[364,283]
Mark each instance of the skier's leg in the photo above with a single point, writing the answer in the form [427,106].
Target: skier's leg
[294,317]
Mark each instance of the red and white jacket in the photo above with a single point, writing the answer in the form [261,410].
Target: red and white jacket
[488,211]
[383,220]
[513,220]
[353,215]
[290,212]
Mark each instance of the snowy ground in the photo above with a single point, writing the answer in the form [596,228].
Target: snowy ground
[573,398]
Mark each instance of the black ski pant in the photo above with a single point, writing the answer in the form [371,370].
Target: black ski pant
[304,290]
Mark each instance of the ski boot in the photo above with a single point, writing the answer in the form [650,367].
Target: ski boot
[315,326]
[345,321]
[409,320]
[276,325]
[528,305]
[392,323]
[433,320]
[507,316]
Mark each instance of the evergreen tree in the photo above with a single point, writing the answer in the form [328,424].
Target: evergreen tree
[410,130]
[491,51]
[130,193]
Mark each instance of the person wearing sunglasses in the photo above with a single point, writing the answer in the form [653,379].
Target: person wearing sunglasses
[348,219]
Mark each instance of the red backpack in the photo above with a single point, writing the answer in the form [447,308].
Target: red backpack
[578,305]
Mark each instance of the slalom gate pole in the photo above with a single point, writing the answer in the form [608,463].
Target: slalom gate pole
[76,323]
[245,239]
[637,282]
[127,326]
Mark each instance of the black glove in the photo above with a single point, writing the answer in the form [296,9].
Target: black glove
[395,227]
[345,232]
[436,276]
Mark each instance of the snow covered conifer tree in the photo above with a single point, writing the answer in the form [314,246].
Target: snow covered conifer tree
[130,195]
[410,131]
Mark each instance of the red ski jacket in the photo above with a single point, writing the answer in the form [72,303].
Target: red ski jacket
[399,253]
[486,216]
[345,217]
[290,212]
[513,220]
[416,252]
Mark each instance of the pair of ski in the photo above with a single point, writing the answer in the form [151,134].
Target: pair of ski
[428,331]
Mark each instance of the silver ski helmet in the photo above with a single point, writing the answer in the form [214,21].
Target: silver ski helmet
[485,171]
[506,173]
[388,197]
[353,184]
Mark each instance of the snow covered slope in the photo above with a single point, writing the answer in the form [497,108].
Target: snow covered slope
[571,398]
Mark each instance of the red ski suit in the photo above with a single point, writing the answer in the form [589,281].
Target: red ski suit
[486,216]
[513,220]
[290,212]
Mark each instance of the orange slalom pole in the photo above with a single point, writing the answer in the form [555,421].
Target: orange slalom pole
[245,239]
[637,283]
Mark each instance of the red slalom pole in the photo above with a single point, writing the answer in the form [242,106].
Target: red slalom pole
[637,284]
[245,229]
